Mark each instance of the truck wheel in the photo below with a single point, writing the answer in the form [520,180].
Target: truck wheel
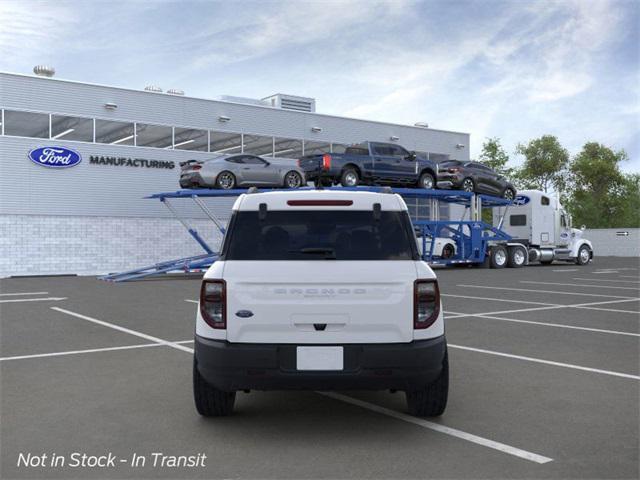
[432,401]
[211,402]
[349,178]
[517,257]
[427,181]
[584,255]
[499,256]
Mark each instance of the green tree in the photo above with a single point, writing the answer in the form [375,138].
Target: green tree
[494,156]
[545,164]
[600,195]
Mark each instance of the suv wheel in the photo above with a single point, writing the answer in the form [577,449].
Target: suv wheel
[349,178]
[427,181]
[468,185]
[509,194]
[432,401]
[211,402]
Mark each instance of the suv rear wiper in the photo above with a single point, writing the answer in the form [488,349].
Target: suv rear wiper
[330,253]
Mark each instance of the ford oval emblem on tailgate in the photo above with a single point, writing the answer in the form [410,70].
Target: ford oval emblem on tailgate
[244,313]
[55,157]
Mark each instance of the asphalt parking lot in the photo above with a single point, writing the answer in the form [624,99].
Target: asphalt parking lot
[544,384]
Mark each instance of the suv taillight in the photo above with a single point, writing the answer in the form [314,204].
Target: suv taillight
[426,304]
[213,303]
[326,161]
[454,170]
[196,167]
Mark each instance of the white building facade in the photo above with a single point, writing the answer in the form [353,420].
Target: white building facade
[92,217]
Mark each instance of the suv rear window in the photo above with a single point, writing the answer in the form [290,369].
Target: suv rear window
[320,235]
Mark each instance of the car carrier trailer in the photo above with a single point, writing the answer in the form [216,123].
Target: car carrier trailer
[467,241]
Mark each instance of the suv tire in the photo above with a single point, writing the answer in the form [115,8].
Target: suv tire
[432,401]
[211,402]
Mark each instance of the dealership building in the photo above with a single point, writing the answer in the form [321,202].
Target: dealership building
[92,217]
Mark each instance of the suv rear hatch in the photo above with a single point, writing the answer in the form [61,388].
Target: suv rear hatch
[320,277]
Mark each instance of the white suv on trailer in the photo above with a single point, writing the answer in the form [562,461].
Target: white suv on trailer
[320,290]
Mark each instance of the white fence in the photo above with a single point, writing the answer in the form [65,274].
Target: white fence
[614,242]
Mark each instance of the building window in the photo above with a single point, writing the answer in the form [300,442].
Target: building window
[258,145]
[190,139]
[71,128]
[26,124]
[287,148]
[157,136]
[544,201]
[315,148]
[114,133]
[225,143]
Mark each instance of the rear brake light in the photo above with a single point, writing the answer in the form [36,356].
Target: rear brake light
[299,162]
[319,203]
[213,303]
[326,161]
[196,167]
[454,170]
[426,305]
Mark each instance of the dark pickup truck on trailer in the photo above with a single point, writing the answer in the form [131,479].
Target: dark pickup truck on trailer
[371,163]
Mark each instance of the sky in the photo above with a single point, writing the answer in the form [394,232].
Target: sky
[515,70]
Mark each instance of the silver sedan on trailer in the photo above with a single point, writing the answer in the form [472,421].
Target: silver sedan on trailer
[241,170]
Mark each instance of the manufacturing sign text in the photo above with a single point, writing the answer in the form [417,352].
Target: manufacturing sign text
[130,162]
[55,157]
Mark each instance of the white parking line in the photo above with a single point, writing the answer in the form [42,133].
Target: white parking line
[125,330]
[545,324]
[566,270]
[529,290]
[23,293]
[190,301]
[587,306]
[604,280]
[582,285]
[533,457]
[469,437]
[499,299]
[20,300]
[628,276]
[90,350]
[546,362]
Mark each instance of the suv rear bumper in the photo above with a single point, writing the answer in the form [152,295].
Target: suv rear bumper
[399,366]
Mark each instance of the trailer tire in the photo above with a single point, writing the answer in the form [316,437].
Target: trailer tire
[517,257]
[584,255]
[211,402]
[432,400]
[498,257]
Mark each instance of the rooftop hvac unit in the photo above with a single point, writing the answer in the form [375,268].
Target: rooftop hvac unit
[153,88]
[175,91]
[291,102]
[44,71]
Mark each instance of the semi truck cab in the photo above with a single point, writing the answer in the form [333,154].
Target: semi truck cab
[538,221]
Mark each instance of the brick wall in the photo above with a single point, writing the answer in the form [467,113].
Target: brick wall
[45,245]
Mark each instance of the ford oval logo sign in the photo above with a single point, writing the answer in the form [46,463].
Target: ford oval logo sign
[55,157]
[521,200]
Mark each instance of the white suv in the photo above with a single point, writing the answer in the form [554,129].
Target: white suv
[320,290]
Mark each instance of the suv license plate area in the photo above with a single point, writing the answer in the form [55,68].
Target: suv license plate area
[320,358]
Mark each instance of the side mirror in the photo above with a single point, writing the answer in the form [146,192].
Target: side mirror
[412,156]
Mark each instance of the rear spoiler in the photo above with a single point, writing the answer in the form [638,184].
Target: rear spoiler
[188,162]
